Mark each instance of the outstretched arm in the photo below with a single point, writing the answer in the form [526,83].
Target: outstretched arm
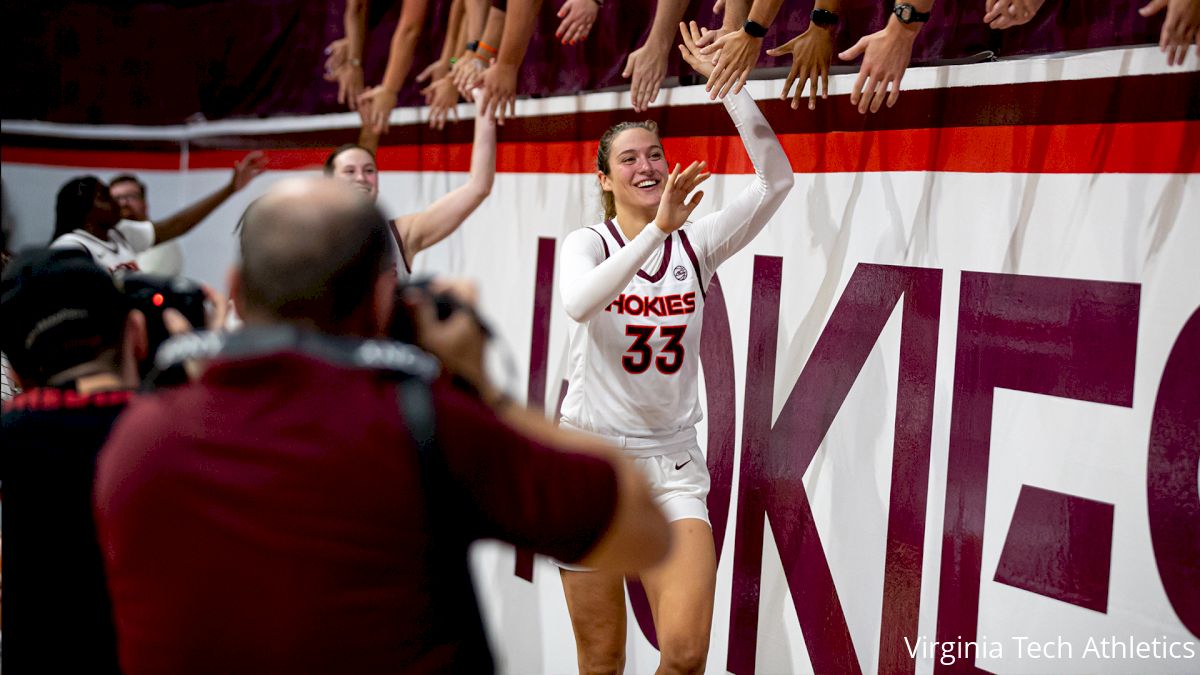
[375,104]
[243,172]
[344,64]
[647,65]
[719,235]
[426,228]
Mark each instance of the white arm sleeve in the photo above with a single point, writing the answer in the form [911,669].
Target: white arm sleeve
[587,281]
[719,235]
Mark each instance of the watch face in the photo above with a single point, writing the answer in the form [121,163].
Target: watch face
[904,12]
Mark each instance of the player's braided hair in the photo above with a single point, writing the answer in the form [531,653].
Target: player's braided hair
[606,197]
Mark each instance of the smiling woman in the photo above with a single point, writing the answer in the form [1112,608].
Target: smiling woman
[633,365]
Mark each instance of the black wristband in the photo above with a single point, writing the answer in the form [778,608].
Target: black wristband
[909,14]
[824,18]
[754,29]
[473,45]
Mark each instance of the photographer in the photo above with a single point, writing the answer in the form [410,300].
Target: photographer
[74,344]
[307,504]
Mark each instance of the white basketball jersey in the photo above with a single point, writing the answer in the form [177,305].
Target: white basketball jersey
[633,368]
[119,251]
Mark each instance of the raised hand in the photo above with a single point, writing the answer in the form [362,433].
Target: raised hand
[734,55]
[577,19]
[811,53]
[247,169]
[647,66]
[1181,29]
[673,210]
[691,49]
[497,93]
[375,107]
[442,98]
[885,58]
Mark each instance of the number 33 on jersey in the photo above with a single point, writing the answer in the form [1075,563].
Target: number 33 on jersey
[637,361]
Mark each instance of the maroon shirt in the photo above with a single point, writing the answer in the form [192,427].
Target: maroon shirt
[271,518]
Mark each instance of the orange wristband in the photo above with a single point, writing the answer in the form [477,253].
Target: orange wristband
[484,45]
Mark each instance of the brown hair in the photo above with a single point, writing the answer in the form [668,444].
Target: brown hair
[334,155]
[606,198]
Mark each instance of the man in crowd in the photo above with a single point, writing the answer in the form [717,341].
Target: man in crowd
[74,344]
[88,217]
[308,503]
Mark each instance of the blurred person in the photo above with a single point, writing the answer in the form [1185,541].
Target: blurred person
[376,103]
[75,346]
[88,217]
[634,290]
[1001,14]
[307,504]
[415,232]
[577,19]
[471,64]
[130,194]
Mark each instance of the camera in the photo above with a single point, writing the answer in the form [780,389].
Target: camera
[152,295]
[403,326]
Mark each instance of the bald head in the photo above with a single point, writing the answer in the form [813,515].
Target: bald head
[312,252]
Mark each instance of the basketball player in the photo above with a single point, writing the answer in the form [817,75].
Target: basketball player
[416,232]
[633,287]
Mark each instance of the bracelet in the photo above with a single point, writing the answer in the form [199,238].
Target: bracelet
[754,29]
[356,62]
[824,18]
[472,45]
[486,47]
[483,58]
[453,60]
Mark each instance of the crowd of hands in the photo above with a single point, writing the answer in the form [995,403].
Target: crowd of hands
[484,46]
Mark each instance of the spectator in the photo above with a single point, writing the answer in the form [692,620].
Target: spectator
[735,53]
[285,514]
[1001,14]
[811,51]
[89,218]
[375,104]
[130,194]
[74,345]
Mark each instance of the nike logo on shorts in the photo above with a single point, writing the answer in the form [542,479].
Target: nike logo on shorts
[680,466]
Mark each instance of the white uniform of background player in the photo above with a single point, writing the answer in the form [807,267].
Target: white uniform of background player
[635,299]
[119,250]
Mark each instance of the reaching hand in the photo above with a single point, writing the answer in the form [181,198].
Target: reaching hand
[734,56]
[691,51]
[711,36]
[673,211]
[466,73]
[434,71]
[247,169]
[719,7]
[1181,29]
[442,99]
[811,53]
[338,55]
[497,93]
[647,66]
[577,19]
[885,58]
[1003,14]
[375,107]
[350,85]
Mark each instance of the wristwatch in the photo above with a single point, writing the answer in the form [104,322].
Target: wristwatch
[824,18]
[754,29]
[909,14]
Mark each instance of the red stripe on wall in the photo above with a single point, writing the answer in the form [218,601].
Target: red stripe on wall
[1146,147]
[99,159]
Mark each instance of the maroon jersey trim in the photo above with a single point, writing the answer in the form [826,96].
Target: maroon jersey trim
[691,254]
[66,399]
[666,258]
[400,243]
[603,241]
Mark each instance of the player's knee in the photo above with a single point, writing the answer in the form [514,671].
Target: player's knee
[606,659]
[683,654]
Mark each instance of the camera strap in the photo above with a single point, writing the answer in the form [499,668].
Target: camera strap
[252,341]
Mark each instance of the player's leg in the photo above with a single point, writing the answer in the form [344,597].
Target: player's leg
[680,592]
[596,602]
